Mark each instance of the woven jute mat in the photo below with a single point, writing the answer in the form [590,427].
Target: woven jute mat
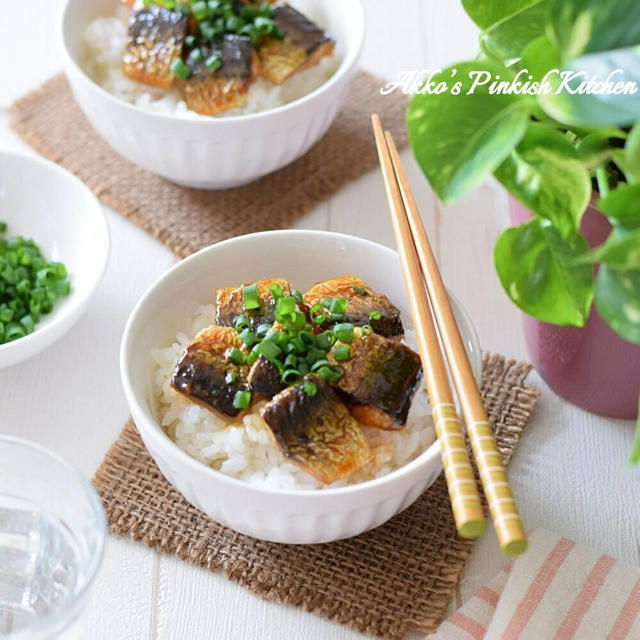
[385,582]
[188,219]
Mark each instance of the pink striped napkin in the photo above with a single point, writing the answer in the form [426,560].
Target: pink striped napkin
[557,590]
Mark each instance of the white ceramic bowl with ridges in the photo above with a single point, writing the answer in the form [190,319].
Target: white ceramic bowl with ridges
[40,200]
[212,153]
[303,257]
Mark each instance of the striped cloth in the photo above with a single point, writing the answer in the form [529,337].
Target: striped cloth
[557,590]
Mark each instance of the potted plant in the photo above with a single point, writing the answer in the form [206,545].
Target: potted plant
[551,107]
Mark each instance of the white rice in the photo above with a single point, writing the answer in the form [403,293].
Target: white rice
[104,41]
[246,452]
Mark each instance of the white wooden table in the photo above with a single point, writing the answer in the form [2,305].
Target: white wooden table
[569,473]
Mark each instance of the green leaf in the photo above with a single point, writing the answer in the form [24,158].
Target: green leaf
[543,172]
[587,26]
[621,251]
[618,301]
[458,140]
[539,57]
[594,149]
[632,154]
[622,204]
[538,270]
[568,101]
[635,451]
[507,39]
[486,13]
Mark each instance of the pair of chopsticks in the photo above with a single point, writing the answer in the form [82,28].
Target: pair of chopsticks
[428,301]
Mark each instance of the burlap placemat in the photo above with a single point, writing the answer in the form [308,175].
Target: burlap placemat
[385,582]
[187,219]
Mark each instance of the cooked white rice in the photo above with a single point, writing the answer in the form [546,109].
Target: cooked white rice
[246,451]
[104,42]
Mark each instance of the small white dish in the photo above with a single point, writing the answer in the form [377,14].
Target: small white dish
[302,257]
[40,200]
[215,152]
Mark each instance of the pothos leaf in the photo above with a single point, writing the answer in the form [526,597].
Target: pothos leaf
[635,451]
[486,13]
[458,140]
[618,301]
[621,251]
[544,173]
[538,270]
[622,205]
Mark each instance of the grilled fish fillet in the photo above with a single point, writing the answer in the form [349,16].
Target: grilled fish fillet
[214,92]
[303,46]
[230,304]
[201,371]
[379,378]
[317,432]
[360,305]
[156,38]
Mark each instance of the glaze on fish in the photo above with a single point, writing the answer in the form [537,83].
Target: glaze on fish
[201,371]
[316,432]
[303,45]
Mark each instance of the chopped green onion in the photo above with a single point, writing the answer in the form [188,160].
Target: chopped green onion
[249,338]
[195,56]
[183,8]
[207,30]
[326,302]
[250,297]
[342,352]
[231,377]
[285,306]
[290,376]
[13,332]
[310,388]
[297,294]
[276,290]
[344,332]
[200,10]
[367,330]
[190,41]
[213,63]
[317,314]
[270,349]
[358,289]
[318,364]
[338,306]
[242,322]
[236,355]
[180,68]
[252,357]
[329,374]
[375,315]
[234,23]
[323,340]
[214,5]
[242,399]
[263,329]
[291,361]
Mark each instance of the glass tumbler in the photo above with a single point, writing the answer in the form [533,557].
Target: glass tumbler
[52,535]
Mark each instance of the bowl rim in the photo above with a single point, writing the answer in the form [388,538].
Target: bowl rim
[152,429]
[345,69]
[76,301]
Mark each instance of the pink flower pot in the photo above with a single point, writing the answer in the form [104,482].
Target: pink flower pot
[591,367]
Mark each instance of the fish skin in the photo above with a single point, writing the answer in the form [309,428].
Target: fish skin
[303,46]
[359,307]
[200,372]
[229,303]
[156,38]
[264,378]
[317,433]
[380,379]
[212,92]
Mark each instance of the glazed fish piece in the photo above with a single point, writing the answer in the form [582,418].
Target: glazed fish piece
[264,378]
[230,304]
[316,432]
[303,45]
[201,371]
[156,37]
[379,378]
[212,92]
[362,300]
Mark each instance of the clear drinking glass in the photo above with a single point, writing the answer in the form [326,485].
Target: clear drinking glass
[52,534]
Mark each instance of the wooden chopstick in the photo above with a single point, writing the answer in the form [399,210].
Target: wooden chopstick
[463,492]
[504,513]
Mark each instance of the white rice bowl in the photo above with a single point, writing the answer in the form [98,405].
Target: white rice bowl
[246,451]
[104,41]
